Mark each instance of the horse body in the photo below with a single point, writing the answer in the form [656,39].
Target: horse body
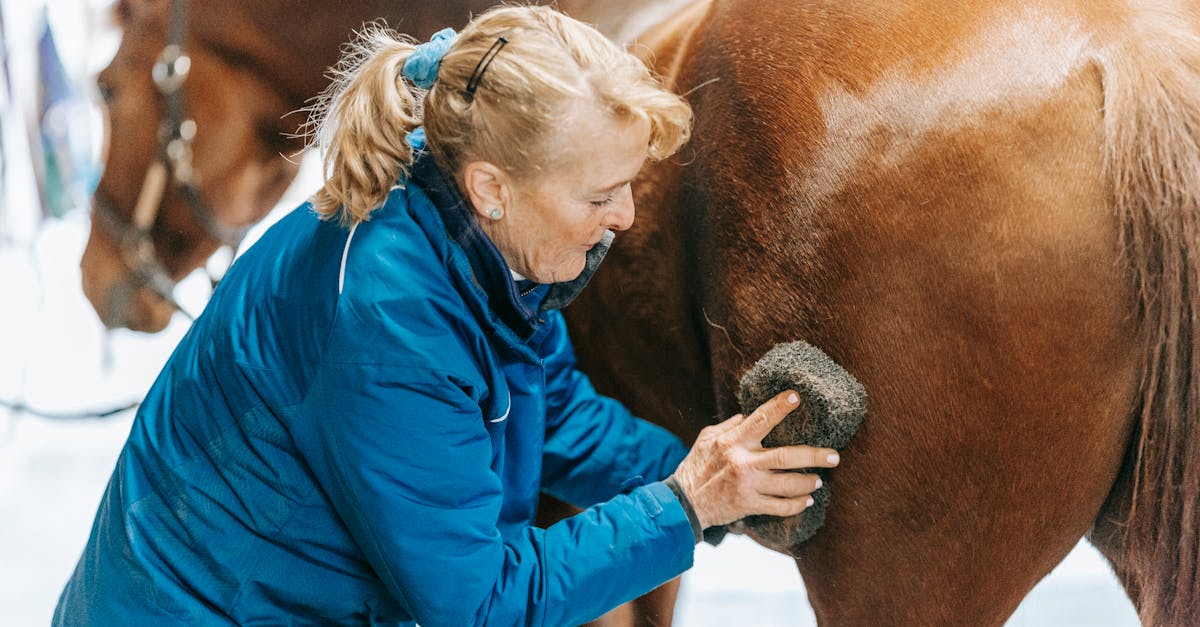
[932,195]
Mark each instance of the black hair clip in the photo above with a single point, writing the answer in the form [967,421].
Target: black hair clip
[482,66]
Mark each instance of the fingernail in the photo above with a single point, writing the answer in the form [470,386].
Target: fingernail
[793,399]
[818,484]
[833,458]
[809,502]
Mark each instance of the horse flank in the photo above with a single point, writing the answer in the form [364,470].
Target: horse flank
[1152,113]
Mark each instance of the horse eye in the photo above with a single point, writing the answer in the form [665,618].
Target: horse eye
[275,140]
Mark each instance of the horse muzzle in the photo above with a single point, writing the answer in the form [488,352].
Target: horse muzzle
[121,298]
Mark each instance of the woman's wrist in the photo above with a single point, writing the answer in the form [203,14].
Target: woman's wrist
[697,529]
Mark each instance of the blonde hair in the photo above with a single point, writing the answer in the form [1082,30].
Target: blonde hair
[525,94]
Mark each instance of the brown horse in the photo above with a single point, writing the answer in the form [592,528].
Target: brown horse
[247,68]
[989,212]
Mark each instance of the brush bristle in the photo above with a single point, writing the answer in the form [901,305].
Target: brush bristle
[833,405]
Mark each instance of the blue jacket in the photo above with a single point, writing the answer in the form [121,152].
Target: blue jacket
[357,429]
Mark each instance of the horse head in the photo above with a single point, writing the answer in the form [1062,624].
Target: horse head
[193,157]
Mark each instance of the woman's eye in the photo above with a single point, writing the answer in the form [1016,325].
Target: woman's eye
[601,203]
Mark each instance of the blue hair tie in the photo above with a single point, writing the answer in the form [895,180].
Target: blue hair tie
[416,139]
[422,67]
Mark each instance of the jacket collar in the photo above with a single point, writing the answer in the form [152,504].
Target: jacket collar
[518,303]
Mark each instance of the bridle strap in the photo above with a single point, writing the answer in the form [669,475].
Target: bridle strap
[177,132]
[172,165]
[137,251]
[177,28]
[145,212]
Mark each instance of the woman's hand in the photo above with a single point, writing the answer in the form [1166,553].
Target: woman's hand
[728,475]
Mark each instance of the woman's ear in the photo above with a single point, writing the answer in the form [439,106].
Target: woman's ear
[486,187]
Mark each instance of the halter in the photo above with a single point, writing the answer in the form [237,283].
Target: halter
[172,164]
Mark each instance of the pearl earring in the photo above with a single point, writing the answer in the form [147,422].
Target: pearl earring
[496,213]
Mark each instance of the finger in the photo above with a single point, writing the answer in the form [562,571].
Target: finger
[720,428]
[731,422]
[797,457]
[784,507]
[769,414]
[789,485]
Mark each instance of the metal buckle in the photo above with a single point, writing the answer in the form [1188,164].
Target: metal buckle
[171,69]
[179,152]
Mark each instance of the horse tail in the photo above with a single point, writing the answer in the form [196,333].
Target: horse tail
[1152,136]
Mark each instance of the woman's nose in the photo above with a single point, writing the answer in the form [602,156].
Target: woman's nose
[620,218]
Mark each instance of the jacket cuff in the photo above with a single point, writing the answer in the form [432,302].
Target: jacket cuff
[697,531]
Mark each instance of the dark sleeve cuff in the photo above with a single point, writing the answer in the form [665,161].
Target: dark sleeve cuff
[715,534]
[697,531]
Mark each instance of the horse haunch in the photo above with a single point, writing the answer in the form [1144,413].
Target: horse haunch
[989,215]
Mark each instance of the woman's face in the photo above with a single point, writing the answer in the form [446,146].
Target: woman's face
[551,220]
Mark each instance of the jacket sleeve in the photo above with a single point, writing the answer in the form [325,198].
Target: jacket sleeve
[594,447]
[404,455]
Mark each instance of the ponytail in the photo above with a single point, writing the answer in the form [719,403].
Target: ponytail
[362,120]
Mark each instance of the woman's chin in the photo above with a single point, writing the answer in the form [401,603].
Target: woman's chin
[576,269]
[564,272]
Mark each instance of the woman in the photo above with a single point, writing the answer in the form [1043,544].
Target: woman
[358,427]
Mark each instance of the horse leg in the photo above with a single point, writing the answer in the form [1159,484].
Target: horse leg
[1108,532]
[653,609]
[952,503]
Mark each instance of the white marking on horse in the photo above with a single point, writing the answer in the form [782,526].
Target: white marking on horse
[1020,59]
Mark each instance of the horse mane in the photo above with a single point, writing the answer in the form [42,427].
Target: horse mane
[1152,128]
